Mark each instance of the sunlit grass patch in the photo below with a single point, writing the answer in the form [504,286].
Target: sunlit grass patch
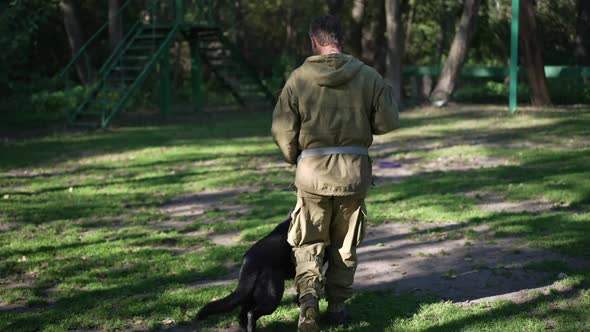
[84,241]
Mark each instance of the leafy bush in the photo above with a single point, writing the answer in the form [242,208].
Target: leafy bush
[562,91]
[38,109]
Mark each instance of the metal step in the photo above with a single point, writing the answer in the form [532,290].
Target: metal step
[134,57]
[150,35]
[149,26]
[127,68]
[142,48]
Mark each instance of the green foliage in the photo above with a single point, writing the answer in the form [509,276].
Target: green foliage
[38,108]
[29,33]
[35,46]
[563,91]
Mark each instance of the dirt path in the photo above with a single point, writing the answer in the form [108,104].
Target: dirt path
[416,257]
[395,256]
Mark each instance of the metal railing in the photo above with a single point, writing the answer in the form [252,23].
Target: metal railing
[95,55]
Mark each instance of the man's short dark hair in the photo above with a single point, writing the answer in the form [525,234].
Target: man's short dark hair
[326,30]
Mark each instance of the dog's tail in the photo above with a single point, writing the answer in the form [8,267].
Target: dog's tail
[244,289]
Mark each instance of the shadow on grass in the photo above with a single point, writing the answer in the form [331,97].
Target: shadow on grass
[121,293]
[50,150]
[123,299]
[514,315]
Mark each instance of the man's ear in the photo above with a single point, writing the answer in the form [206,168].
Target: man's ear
[313,42]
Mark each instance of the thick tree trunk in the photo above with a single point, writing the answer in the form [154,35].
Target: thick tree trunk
[532,54]
[583,33]
[395,46]
[115,24]
[356,27]
[380,28]
[450,73]
[71,12]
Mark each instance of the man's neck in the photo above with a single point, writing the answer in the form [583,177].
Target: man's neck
[328,50]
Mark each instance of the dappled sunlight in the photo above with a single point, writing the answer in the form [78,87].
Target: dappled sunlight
[479,206]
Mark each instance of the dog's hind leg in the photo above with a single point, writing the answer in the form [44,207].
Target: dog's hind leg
[246,307]
[267,297]
[259,311]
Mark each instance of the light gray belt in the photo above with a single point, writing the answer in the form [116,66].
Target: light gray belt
[361,150]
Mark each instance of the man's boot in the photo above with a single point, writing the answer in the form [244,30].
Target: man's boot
[309,314]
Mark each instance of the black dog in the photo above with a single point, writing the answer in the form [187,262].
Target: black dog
[261,283]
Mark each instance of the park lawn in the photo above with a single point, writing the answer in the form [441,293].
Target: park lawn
[84,242]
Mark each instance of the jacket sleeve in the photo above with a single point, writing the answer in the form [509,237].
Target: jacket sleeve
[385,111]
[286,123]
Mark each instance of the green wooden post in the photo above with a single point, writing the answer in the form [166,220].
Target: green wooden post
[514,56]
[165,90]
[196,75]
[180,11]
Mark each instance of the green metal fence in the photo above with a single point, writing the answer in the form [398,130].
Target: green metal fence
[500,72]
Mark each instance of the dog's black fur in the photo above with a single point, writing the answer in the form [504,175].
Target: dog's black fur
[261,283]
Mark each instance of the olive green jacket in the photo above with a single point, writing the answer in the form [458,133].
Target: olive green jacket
[332,100]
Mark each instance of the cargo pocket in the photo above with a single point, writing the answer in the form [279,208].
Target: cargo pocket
[361,225]
[294,232]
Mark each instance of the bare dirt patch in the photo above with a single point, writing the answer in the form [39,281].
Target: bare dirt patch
[7,226]
[188,208]
[496,202]
[393,257]
[13,308]
[209,200]
[415,166]
[32,173]
[224,239]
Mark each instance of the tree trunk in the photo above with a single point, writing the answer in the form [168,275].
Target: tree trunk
[240,30]
[583,33]
[450,73]
[356,28]
[532,54]
[71,12]
[290,29]
[395,46]
[380,28]
[443,24]
[409,24]
[115,24]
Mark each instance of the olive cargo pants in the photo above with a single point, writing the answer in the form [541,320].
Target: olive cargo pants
[331,226]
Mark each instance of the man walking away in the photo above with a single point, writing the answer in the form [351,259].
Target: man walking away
[324,121]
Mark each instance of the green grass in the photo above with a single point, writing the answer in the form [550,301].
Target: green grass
[80,246]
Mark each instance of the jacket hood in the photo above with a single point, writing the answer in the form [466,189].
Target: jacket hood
[331,69]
